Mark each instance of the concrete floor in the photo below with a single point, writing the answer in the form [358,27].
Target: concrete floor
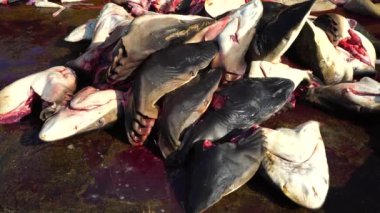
[100,172]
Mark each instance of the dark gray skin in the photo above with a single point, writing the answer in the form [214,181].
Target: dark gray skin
[277,29]
[148,34]
[163,72]
[271,10]
[116,59]
[238,105]
[92,65]
[331,26]
[220,169]
[183,107]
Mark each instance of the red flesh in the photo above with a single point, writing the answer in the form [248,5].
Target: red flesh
[144,128]
[207,144]
[19,112]
[293,100]
[354,45]
[218,101]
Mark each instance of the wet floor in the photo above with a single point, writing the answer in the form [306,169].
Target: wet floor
[99,172]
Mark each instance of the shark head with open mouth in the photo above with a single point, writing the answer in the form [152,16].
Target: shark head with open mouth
[55,86]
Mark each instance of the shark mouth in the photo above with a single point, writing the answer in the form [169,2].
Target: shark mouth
[353,44]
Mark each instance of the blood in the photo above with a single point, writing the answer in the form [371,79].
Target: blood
[93,65]
[134,175]
[354,45]
[207,144]
[293,100]
[137,140]
[218,101]
[20,111]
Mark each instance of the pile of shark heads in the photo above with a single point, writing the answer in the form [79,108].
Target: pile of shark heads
[200,86]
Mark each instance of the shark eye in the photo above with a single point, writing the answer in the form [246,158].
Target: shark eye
[100,122]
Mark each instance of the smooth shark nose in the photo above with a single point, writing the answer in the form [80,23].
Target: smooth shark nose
[53,130]
[43,137]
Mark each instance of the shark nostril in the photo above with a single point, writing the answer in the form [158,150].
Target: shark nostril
[118,63]
[44,137]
